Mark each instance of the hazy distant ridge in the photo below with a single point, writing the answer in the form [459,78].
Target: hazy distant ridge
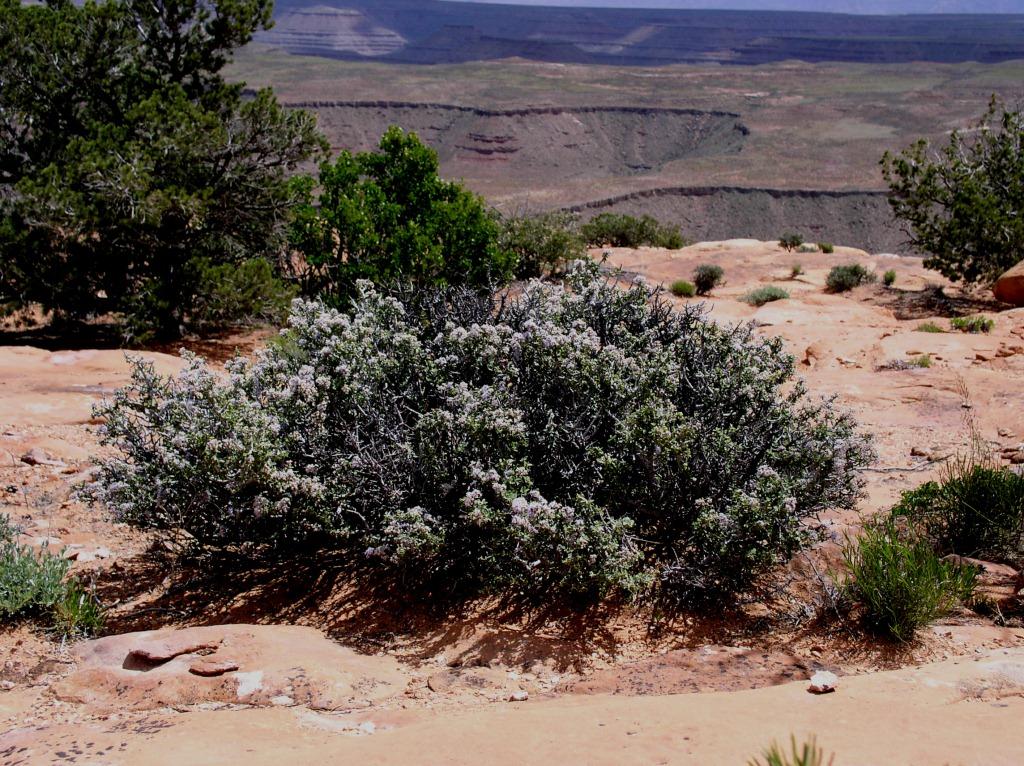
[439,32]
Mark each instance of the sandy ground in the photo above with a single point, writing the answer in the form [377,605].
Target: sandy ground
[603,687]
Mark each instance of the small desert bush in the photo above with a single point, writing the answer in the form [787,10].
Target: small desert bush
[763,295]
[826,247]
[978,324]
[37,585]
[230,294]
[790,241]
[805,754]
[565,440]
[707,277]
[889,278]
[915,362]
[929,327]
[846,277]
[683,289]
[542,244]
[976,509]
[619,230]
[807,248]
[899,581]
[796,270]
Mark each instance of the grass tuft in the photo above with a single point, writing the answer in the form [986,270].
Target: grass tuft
[763,295]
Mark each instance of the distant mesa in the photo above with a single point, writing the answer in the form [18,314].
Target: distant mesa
[433,32]
[528,145]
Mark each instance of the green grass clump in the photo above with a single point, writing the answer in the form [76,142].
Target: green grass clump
[889,278]
[806,754]
[976,324]
[796,270]
[900,582]
[37,585]
[976,509]
[763,295]
[683,289]
[826,247]
[707,277]
[846,277]
[929,327]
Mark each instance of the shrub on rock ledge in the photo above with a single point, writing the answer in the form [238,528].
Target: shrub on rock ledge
[571,441]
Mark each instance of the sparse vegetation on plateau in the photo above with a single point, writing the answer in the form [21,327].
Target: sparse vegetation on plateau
[572,441]
[964,204]
[619,230]
[796,270]
[899,581]
[707,277]
[843,278]
[976,324]
[542,244]
[915,362]
[889,278]
[804,754]
[929,327]
[762,295]
[975,509]
[38,585]
[790,242]
[683,289]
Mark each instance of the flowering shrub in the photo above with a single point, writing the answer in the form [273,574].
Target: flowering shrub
[576,440]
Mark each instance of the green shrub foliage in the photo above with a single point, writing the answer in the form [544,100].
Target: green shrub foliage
[790,242]
[900,583]
[840,279]
[826,247]
[707,277]
[889,278]
[766,294]
[963,204]
[974,325]
[573,440]
[975,509]
[803,754]
[619,230]
[125,156]
[683,289]
[542,244]
[37,585]
[387,216]
[229,294]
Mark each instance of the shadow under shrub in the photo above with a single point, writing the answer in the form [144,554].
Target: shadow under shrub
[570,441]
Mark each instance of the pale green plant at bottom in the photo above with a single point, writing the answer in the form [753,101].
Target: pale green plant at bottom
[805,754]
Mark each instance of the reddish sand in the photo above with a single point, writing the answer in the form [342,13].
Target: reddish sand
[602,687]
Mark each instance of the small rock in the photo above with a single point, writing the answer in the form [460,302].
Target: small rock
[210,667]
[823,682]
[168,649]
[282,700]
[6,685]
[520,695]
[982,357]
[37,456]
[1006,433]
[918,452]
[439,682]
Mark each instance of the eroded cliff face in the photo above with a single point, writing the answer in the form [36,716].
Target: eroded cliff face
[535,144]
[862,219]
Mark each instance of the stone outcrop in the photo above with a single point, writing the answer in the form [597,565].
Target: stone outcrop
[1009,288]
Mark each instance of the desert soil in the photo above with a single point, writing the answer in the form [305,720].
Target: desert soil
[282,666]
